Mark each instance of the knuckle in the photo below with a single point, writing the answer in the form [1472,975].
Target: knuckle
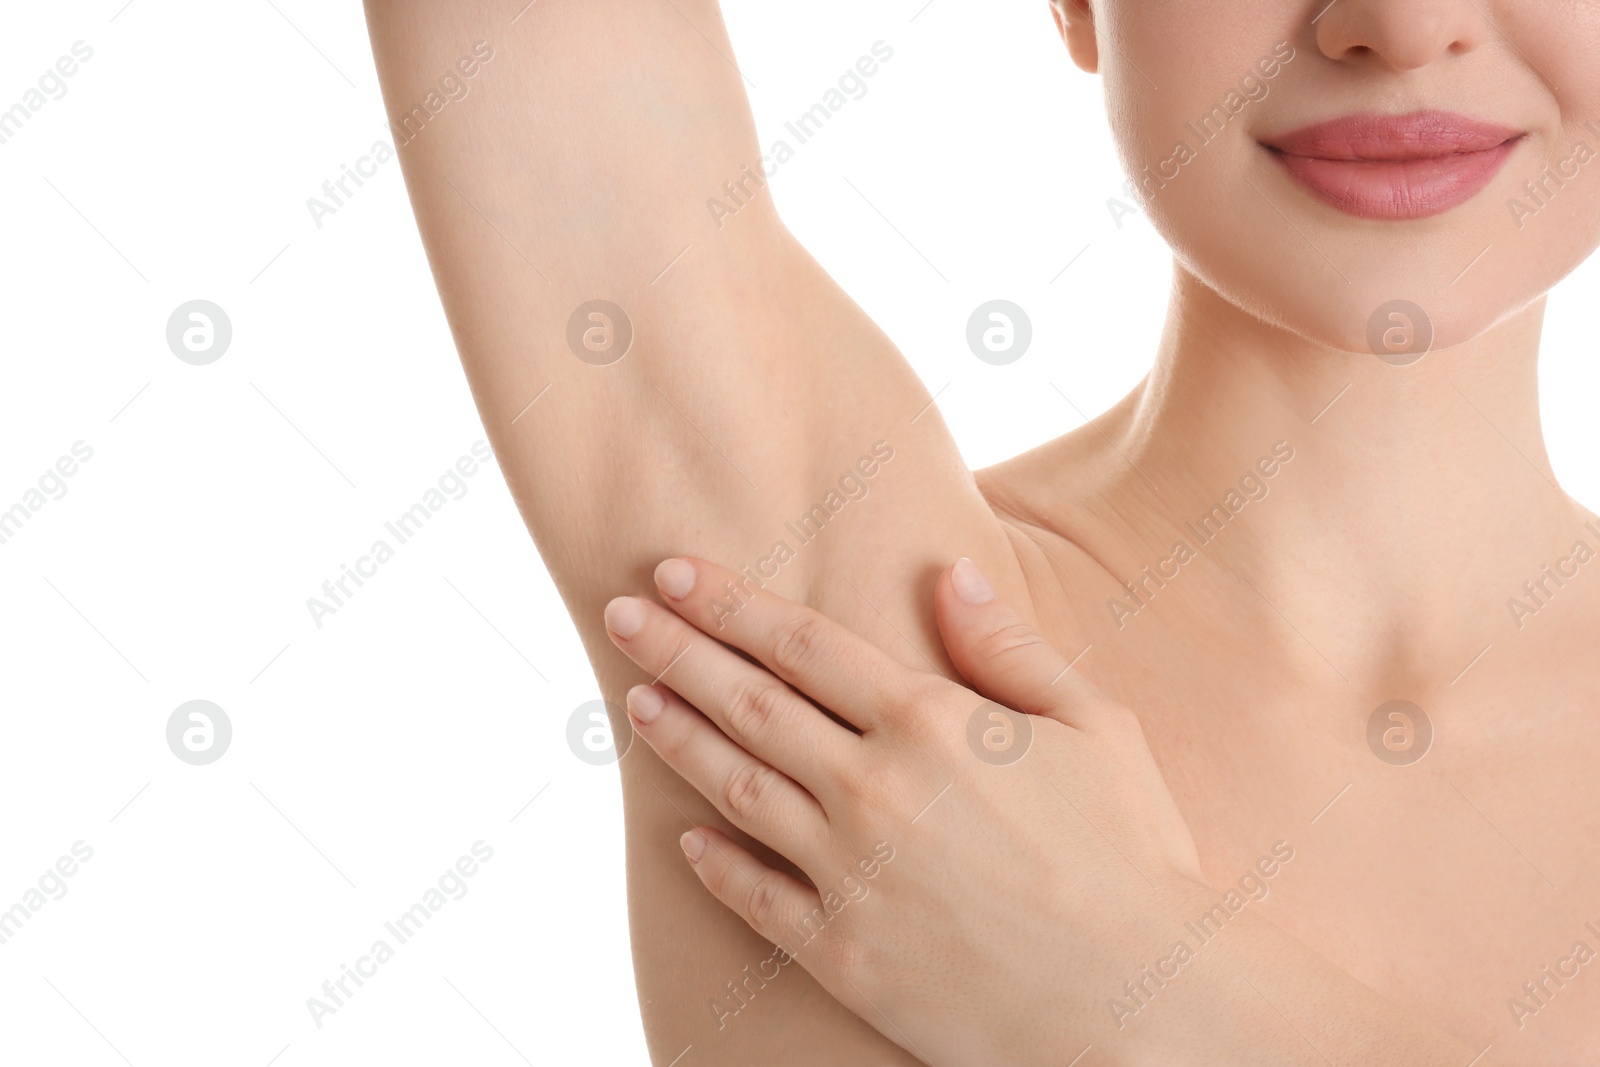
[1012,637]
[754,704]
[672,650]
[746,788]
[719,879]
[933,696]
[924,715]
[763,905]
[798,643]
[921,728]
[879,792]
[1118,720]
[671,746]
[861,786]
[852,960]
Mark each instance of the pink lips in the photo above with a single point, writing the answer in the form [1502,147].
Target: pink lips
[1395,166]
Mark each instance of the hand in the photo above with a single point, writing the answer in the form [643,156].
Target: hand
[981,880]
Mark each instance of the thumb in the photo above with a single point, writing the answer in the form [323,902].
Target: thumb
[1002,656]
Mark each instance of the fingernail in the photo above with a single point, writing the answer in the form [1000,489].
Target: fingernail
[693,844]
[675,577]
[624,616]
[971,586]
[645,704]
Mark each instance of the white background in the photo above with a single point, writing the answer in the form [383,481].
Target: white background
[369,754]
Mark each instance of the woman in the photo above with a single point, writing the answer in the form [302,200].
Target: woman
[1299,630]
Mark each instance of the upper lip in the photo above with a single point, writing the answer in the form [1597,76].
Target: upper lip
[1377,137]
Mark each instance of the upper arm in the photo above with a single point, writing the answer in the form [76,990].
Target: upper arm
[759,417]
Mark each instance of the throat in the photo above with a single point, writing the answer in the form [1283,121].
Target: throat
[1394,519]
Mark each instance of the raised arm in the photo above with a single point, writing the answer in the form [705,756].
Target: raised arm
[754,415]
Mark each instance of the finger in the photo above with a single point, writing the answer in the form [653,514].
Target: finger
[757,799]
[757,711]
[776,905]
[1002,656]
[826,661]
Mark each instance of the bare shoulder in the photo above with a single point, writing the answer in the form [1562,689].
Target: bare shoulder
[1051,502]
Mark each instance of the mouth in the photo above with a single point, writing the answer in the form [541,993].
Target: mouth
[1395,167]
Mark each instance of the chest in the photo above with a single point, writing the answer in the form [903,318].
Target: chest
[1460,877]
[1445,852]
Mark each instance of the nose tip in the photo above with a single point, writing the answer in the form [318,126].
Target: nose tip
[1402,35]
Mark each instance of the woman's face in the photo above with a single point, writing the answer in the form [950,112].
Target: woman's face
[1317,162]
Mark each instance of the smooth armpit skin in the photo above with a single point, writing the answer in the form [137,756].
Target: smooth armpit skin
[576,167]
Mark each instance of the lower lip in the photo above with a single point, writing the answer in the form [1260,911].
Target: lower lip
[1397,189]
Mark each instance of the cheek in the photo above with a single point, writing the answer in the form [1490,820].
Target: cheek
[1178,93]
[1550,196]
[1559,42]
[1181,74]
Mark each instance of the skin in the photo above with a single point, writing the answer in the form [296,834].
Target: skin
[1378,566]
[1073,823]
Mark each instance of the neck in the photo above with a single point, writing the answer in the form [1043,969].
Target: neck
[1417,501]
